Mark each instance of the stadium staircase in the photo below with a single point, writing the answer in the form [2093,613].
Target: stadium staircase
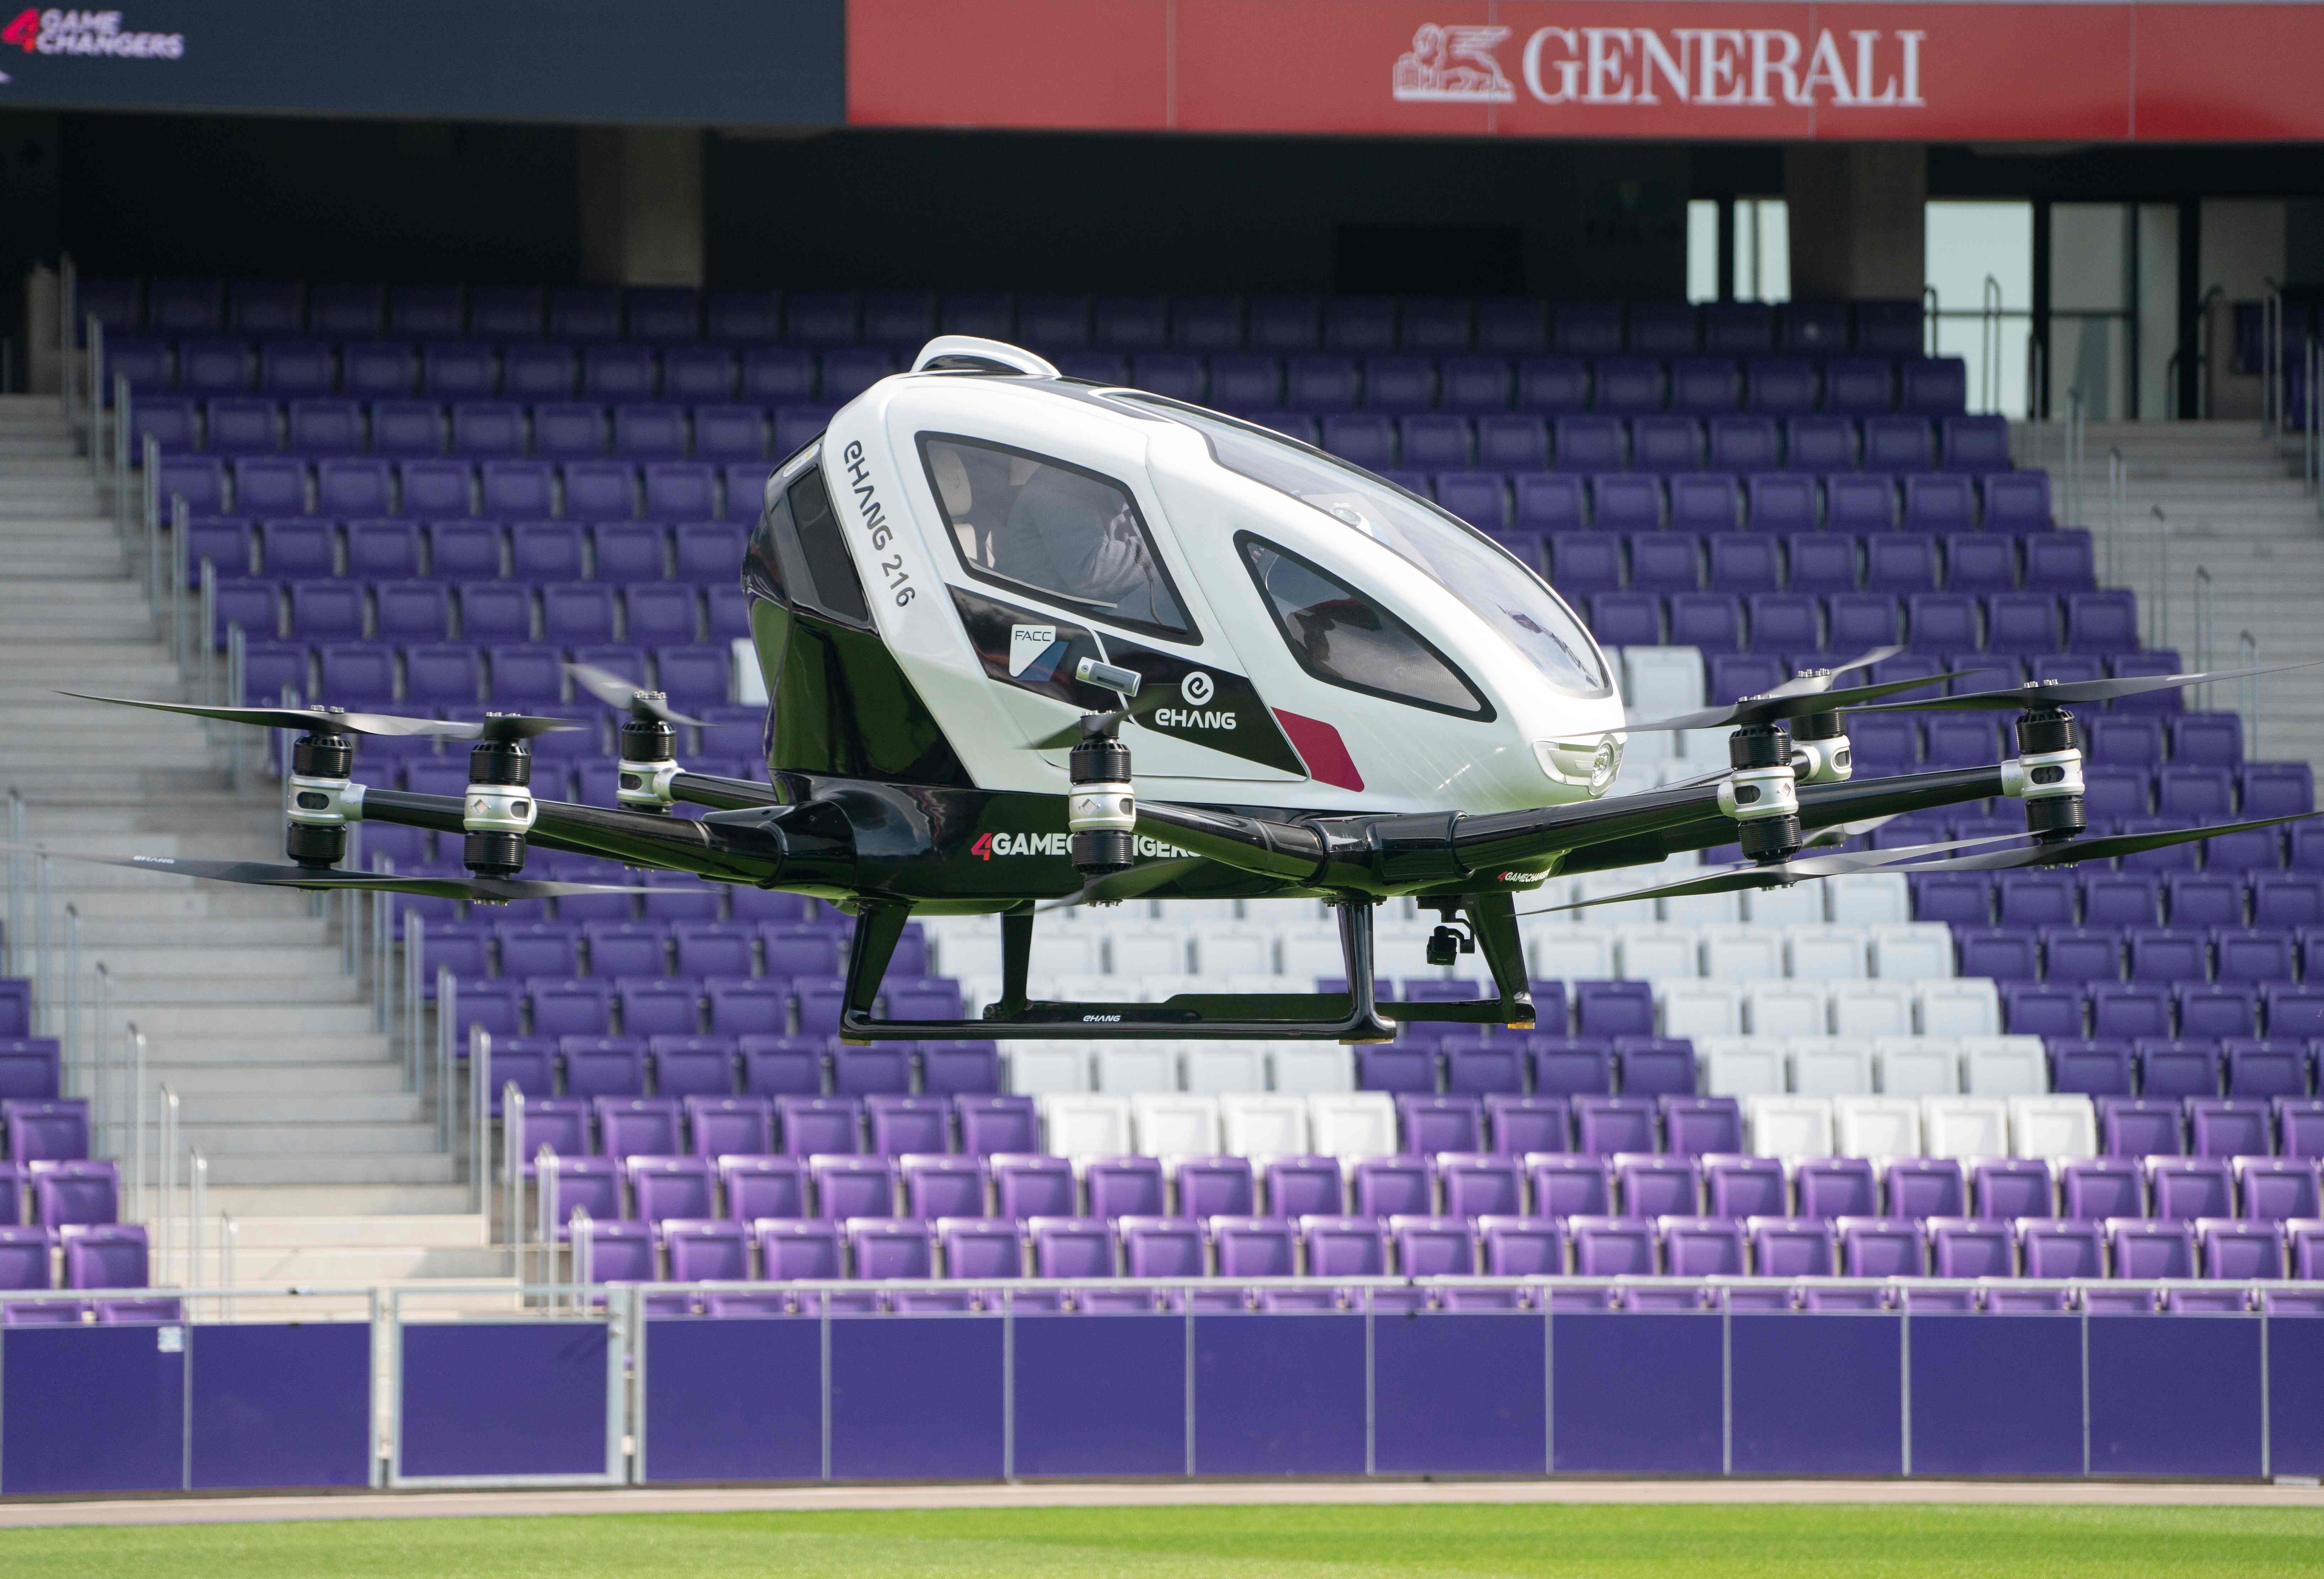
[2237,507]
[328,1165]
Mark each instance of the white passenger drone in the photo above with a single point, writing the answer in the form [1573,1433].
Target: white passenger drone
[988,589]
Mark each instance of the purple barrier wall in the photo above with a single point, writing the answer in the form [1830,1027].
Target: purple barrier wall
[2295,1382]
[1817,1395]
[519,1398]
[1279,1395]
[1637,1394]
[92,1409]
[1459,1394]
[280,1405]
[2176,1397]
[1997,1395]
[1100,1395]
[917,1398]
[735,1399]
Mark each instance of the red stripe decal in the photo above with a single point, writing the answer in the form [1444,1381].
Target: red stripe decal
[1320,746]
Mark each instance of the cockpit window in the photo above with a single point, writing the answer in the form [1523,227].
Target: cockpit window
[1340,635]
[1511,598]
[798,554]
[1075,538]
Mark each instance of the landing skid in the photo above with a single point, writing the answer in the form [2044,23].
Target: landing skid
[1356,1015]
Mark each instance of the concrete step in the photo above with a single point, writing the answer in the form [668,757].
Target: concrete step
[327,1167]
[320,1266]
[260,993]
[241,1106]
[333,1199]
[451,1231]
[231,1087]
[258,1022]
[160,963]
[344,1140]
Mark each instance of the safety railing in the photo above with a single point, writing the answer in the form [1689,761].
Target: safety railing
[1988,345]
[2247,690]
[2205,633]
[2158,614]
[2271,359]
[2074,437]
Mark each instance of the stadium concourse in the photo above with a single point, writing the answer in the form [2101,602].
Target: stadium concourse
[2052,1093]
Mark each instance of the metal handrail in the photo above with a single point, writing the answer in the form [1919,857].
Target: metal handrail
[13,945]
[447,1015]
[2206,633]
[480,1117]
[1932,313]
[136,1040]
[1988,344]
[2074,436]
[513,1175]
[2159,635]
[2271,364]
[72,997]
[165,1172]
[2247,657]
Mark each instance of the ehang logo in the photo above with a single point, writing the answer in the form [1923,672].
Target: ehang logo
[89,32]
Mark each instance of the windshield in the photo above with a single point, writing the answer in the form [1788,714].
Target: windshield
[1510,598]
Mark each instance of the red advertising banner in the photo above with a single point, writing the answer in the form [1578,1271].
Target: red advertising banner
[2034,71]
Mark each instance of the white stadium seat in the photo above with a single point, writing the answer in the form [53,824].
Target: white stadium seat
[1352,1124]
[2053,1127]
[1782,907]
[2004,1066]
[1867,898]
[1146,949]
[1702,909]
[1830,1066]
[1700,1009]
[1131,1068]
[1741,954]
[1964,1126]
[1311,949]
[1066,953]
[1820,953]
[1628,913]
[1308,1068]
[1915,1066]
[1085,1126]
[1246,950]
[1919,951]
[1222,1068]
[1788,1126]
[958,951]
[1044,1068]
[1741,1065]
[1965,1006]
[1263,1126]
[1656,953]
[1784,1008]
[1175,1126]
[1871,1009]
[1658,681]
[1572,953]
[1877,1126]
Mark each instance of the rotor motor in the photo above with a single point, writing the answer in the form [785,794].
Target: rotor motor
[2047,775]
[1820,742]
[315,799]
[1101,807]
[1762,794]
[648,760]
[498,809]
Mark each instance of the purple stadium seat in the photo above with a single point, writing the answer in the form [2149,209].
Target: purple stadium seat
[798,1248]
[1550,503]
[937,1186]
[2150,1249]
[2185,1188]
[1925,1187]
[2008,1188]
[1522,1247]
[1791,1247]
[850,1186]
[1612,1246]
[763,1186]
[665,1187]
[2229,1127]
[1253,1247]
[1214,1187]
[1836,1187]
[886,1248]
[2059,1248]
[1882,1247]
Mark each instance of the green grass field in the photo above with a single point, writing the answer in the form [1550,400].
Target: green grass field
[1857,1542]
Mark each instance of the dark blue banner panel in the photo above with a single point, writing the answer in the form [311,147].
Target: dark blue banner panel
[2295,1394]
[917,1398]
[280,1405]
[1637,1395]
[522,1397]
[1818,1395]
[1279,1395]
[92,1409]
[1459,1394]
[2176,1397]
[733,61]
[1100,1395]
[1997,1395]
[739,1398]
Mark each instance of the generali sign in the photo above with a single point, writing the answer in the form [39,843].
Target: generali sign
[1851,70]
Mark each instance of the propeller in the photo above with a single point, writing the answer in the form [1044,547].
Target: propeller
[614,691]
[1753,874]
[2078,692]
[330,721]
[498,891]
[1798,698]
[2105,847]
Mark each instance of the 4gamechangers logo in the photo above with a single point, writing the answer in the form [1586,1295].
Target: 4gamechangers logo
[87,32]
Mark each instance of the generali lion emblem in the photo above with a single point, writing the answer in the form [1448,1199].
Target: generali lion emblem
[1453,65]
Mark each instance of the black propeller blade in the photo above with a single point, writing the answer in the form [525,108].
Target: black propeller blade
[329,721]
[499,890]
[1115,886]
[1751,874]
[1780,704]
[2105,847]
[2078,692]
[614,691]
[1809,685]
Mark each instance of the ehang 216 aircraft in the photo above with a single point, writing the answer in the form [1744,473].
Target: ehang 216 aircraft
[987,584]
